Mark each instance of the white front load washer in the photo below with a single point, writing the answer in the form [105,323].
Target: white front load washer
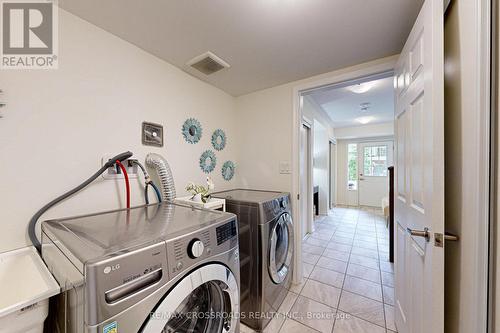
[151,269]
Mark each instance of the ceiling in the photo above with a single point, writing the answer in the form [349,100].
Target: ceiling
[343,105]
[266,42]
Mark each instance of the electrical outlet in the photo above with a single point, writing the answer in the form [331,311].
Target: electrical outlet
[115,172]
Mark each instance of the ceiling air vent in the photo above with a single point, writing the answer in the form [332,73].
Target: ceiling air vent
[207,63]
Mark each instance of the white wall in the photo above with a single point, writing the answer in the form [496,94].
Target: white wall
[346,135]
[321,165]
[322,133]
[59,123]
[266,132]
[365,131]
[311,111]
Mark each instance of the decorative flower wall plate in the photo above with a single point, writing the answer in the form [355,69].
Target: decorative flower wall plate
[191,130]
[228,170]
[208,161]
[219,139]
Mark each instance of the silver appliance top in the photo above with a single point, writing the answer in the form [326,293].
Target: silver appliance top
[93,237]
[250,196]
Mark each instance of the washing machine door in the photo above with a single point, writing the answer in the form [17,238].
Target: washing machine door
[281,248]
[207,300]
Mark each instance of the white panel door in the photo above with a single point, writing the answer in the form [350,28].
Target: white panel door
[374,158]
[419,188]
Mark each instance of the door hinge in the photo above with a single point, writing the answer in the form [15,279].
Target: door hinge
[438,238]
[298,196]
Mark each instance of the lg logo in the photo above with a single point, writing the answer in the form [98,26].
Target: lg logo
[109,269]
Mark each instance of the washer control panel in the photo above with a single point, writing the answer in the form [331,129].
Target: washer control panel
[276,207]
[225,232]
[186,251]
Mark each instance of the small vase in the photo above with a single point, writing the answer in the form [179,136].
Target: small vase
[197,198]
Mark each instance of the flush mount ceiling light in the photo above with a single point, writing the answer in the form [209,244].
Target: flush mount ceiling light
[364,120]
[361,88]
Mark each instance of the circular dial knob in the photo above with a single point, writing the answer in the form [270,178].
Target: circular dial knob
[283,204]
[196,248]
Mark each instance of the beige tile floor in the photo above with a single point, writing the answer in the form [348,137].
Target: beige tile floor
[348,282]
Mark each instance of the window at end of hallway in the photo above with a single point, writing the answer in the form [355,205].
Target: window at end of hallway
[375,161]
[352,166]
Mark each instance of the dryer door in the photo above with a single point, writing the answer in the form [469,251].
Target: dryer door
[207,300]
[281,248]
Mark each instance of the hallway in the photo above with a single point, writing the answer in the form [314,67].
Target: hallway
[348,281]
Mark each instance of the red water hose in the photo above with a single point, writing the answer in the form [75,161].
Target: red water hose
[127,183]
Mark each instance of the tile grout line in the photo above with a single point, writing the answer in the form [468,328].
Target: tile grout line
[300,292]
[379,269]
[335,226]
[354,276]
[381,282]
[383,293]
[337,307]
[343,282]
[338,302]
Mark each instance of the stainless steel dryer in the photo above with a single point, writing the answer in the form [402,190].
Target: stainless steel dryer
[266,251]
[158,268]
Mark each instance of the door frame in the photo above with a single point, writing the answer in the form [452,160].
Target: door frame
[486,65]
[481,127]
[494,127]
[332,173]
[359,141]
[487,280]
[310,217]
[384,66]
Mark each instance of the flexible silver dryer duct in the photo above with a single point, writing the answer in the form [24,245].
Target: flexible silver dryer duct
[159,168]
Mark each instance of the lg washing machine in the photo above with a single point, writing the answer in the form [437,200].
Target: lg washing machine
[151,269]
[266,251]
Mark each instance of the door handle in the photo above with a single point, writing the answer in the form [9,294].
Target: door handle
[439,238]
[420,233]
[450,237]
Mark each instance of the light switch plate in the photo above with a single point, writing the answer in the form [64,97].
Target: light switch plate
[152,134]
[285,168]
